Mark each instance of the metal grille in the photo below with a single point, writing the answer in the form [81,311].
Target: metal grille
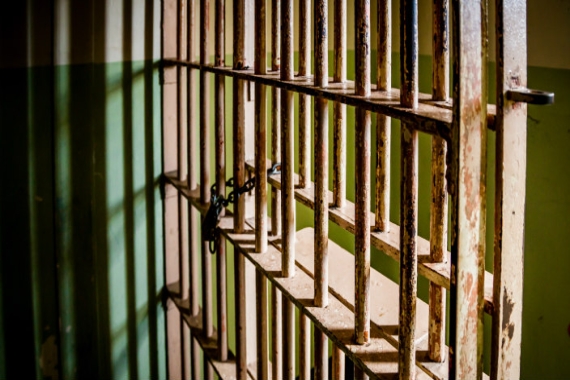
[334,291]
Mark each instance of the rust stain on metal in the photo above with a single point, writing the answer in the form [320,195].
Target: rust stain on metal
[362,47]
[321,44]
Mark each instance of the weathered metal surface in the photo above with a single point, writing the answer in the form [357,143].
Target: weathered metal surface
[321,355]
[276,333]
[378,358]
[204,105]
[275,35]
[262,333]
[429,117]
[240,313]
[286,72]
[510,175]
[408,252]
[260,130]
[321,44]
[275,157]
[240,99]
[383,123]
[409,53]
[362,227]
[362,47]
[321,202]
[438,247]
[468,117]
[288,339]
[261,172]
[304,37]
[240,18]
[438,210]
[288,184]
[304,141]
[339,109]
[388,242]
[338,364]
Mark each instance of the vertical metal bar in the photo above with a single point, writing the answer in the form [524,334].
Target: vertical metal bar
[409,190]
[438,212]
[239,89]
[287,143]
[262,336]
[304,347]
[339,109]
[220,126]
[207,320]
[194,237]
[288,339]
[321,44]
[321,355]
[304,102]
[510,177]
[260,66]
[276,333]
[183,262]
[276,297]
[321,202]
[359,374]
[275,113]
[362,230]
[467,130]
[338,364]
[383,128]
[362,181]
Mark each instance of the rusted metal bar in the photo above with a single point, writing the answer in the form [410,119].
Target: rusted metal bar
[239,95]
[383,128]
[321,202]
[287,143]
[362,181]
[276,333]
[260,65]
[304,102]
[288,339]
[338,364]
[339,109]
[275,114]
[207,320]
[438,211]
[304,347]
[220,130]
[321,44]
[304,38]
[362,53]
[468,122]
[409,53]
[321,355]
[510,177]
[409,192]
[408,255]
[262,333]
[362,227]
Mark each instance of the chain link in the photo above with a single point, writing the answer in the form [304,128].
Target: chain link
[219,202]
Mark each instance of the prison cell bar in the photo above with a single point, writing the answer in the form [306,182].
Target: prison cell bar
[510,174]
[276,297]
[409,191]
[288,186]
[362,181]
[466,191]
[339,144]
[321,184]
[383,127]
[239,95]
[438,210]
[304,101]
[260,67]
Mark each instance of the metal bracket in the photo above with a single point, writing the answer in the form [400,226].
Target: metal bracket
[525,95]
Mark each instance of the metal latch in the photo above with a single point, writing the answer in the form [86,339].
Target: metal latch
[526,95]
